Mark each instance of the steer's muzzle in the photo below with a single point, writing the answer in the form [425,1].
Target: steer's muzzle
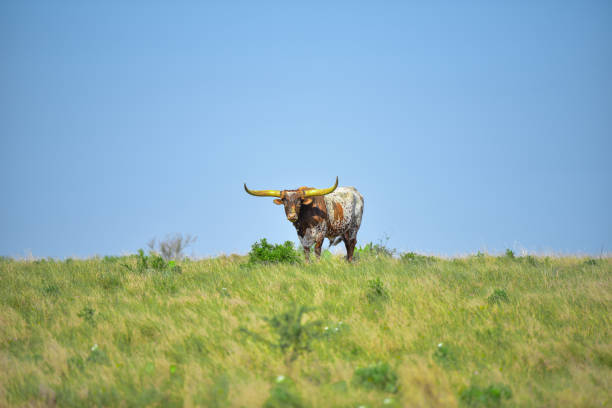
[292,217]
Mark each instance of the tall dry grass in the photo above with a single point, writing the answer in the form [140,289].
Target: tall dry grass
[455,332]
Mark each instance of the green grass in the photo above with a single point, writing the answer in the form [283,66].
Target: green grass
[417,331]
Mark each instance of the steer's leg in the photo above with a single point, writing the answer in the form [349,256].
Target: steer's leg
[307,253]
[350,246]
[318,245]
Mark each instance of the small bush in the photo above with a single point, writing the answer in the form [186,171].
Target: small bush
[591,262]
[413,257]
[263,252]
[153,262]
[379,376]
[326,255]
[509,254]
[157,262]
[376,291]
[284,394]
[173,267]
[491,396]
[87,314]
[371,250]
[378,250]
[409,256]
[498,296]
[142,261]
[292,335]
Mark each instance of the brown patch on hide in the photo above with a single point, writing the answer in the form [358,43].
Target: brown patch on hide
[338,212]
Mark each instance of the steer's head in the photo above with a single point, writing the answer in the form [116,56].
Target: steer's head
[293,199]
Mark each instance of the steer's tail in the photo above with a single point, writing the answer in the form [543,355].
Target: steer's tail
[335,241]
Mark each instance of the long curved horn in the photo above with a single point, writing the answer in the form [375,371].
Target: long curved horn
[320,191]
[262,193]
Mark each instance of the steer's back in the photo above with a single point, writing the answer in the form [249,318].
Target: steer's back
[344,211]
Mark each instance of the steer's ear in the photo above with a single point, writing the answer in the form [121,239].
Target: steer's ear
[307,201]
[278,201]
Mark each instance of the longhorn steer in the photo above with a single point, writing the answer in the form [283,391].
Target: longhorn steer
[316,214]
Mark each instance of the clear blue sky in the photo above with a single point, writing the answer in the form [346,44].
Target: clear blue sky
[466,127]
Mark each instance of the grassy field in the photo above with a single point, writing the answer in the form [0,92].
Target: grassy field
[474,331]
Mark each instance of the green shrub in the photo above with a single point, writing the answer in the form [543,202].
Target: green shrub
[498,296]
[378,250]
[87,314]
[326,255]
[491,396]
[379,376]
[509,254]
[413,257]
[292,335]
[157,262]
[371,250]
[172,266]
[376,291]
[263,252]
[141,264]
[409,256]
[152,262]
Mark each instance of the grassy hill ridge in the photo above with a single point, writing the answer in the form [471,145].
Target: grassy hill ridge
[416,331]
